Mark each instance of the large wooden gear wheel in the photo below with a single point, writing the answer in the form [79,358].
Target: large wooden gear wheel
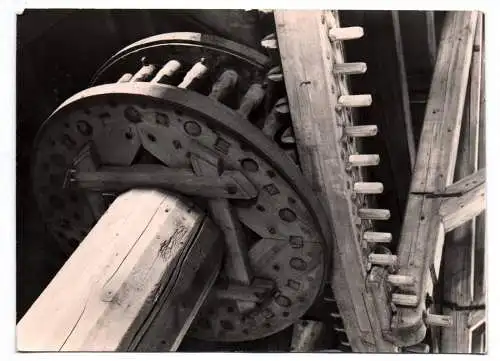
[189,113]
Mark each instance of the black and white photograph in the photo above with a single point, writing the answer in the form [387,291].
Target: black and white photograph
[251,180]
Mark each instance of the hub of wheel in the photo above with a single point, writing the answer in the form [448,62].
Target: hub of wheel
[201,116]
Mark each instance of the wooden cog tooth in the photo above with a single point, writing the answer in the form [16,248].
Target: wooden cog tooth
[347,33]
[354,101]
[405,300]
[349,68]
[383,259]
[377,237]
[269,42]
[287,136]
[339,329]
[363,160]
[360,131]
[167,71]
[252,98]
[374,214]
[400,280]
[145,73]
[125,78]
[275,74]
[224,84]
[368,187]
[438,320]
[196,72]
[281,107]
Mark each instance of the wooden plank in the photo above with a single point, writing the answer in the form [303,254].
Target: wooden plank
[438,145]
[467,183]
[422,236]
[307,62]
[459,212]
[125,272]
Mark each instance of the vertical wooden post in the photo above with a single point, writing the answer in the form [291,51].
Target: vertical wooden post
[459,252]
[134,283]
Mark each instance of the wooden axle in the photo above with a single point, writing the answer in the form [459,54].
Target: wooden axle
[135,282]
[348,33]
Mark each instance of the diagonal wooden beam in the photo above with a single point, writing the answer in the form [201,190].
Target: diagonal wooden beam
[422,236]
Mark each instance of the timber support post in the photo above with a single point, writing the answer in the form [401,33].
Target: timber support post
[435,206]
[135,283]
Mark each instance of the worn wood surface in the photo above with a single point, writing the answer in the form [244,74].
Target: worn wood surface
[422,236]
[459,212]
[307,62]
[125,274]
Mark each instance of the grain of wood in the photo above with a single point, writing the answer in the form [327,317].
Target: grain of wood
[368,187]
[458,210]
[363,160]
[104,293]
[374,214]
[422,237]
[354,101]
[361,131]
[347,33]
[377,237]
[306,58]
[349,68]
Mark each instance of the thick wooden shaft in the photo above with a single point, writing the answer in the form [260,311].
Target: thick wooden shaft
[135,282]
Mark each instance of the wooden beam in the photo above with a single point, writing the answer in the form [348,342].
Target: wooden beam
[135,283]
[458,214]
[307,61]
[422,236]
[456,211]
